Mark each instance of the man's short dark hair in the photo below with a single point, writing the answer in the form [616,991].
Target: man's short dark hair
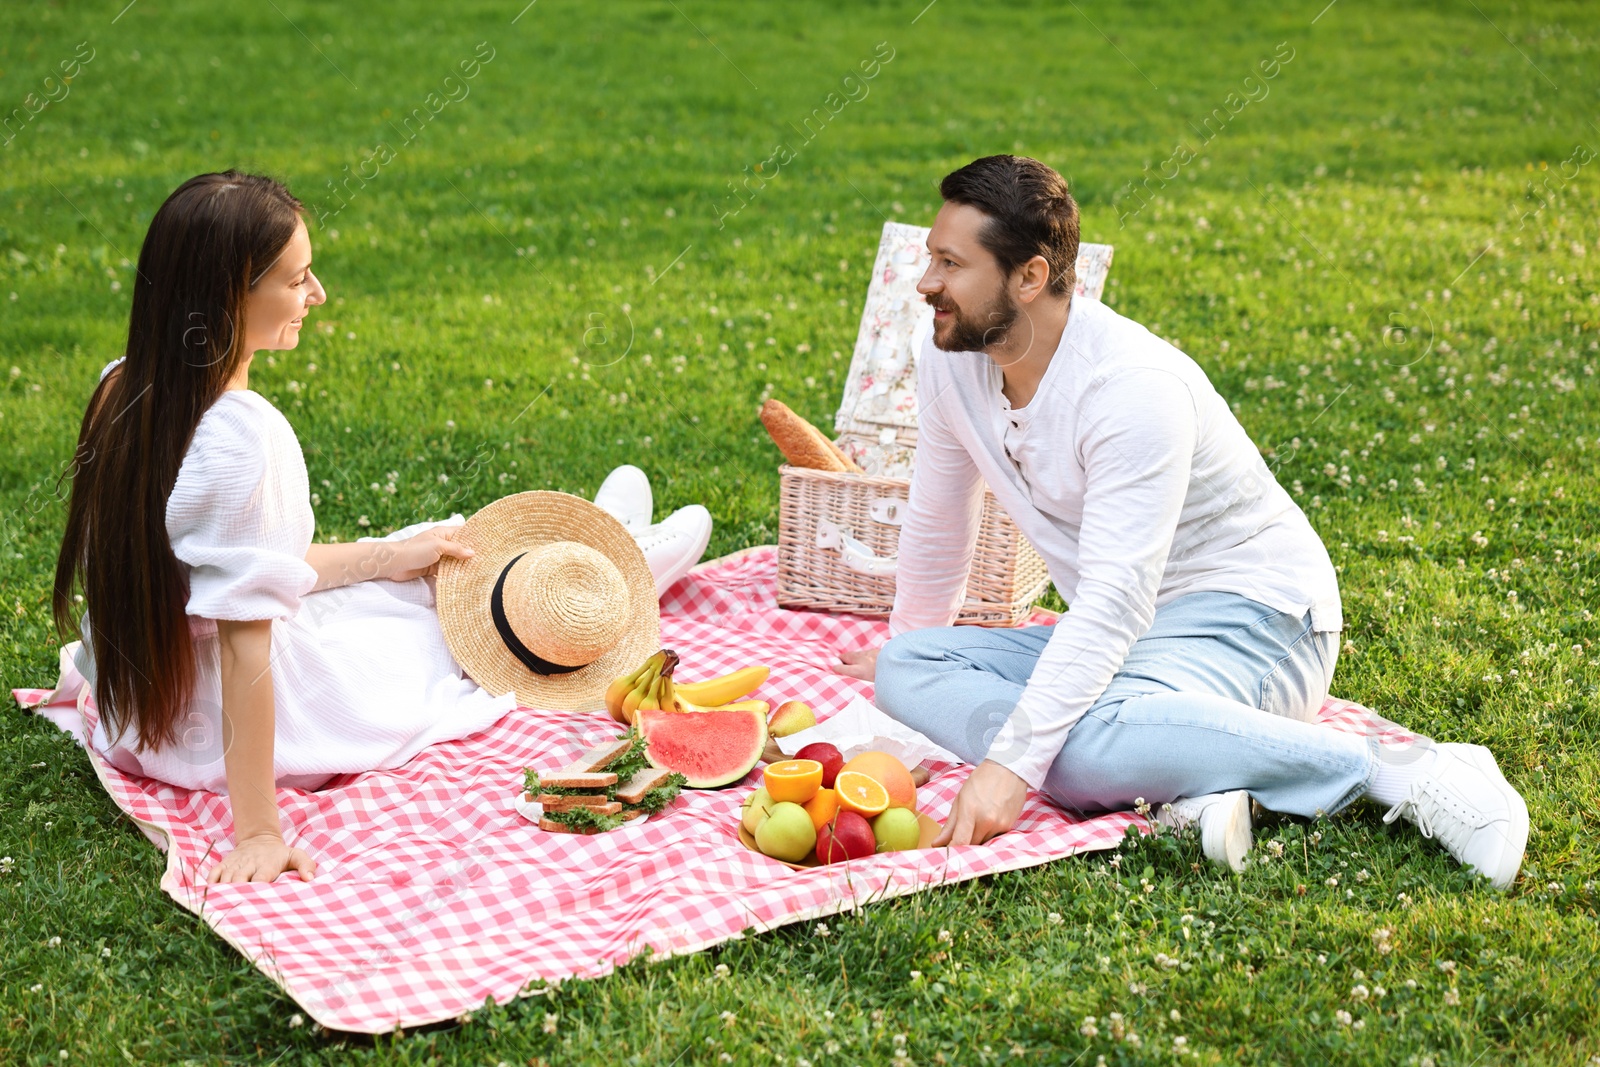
[1030,211]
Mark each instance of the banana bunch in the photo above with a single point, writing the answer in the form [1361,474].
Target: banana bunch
[651,686]
[645,687]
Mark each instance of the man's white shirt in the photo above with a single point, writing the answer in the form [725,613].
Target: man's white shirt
[1130,475]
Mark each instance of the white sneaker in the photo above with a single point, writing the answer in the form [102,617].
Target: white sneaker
[625,494]
[675,544]
[1467,805]
[1224,820]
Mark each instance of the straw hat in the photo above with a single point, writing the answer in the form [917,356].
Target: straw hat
[555,603]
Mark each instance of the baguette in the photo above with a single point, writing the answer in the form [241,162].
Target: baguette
[801,443]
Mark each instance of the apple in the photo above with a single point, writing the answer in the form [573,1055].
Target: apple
[827,755]
[896,830]
[756,807]
[786,833]
[848,837]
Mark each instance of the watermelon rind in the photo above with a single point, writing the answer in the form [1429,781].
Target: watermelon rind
[711,749]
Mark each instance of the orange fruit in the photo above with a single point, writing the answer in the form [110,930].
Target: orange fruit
[794,780]
[822,808]
[861,793]
[890,773]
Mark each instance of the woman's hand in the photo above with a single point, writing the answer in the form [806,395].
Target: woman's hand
[859,663]
[261,859]
[419,556]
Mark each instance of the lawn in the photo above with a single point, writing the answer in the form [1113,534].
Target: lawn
[1384,254]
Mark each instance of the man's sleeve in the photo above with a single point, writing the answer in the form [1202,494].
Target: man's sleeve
[1137,442]
[940,528]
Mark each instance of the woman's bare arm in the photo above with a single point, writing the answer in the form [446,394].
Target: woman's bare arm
[259,853]
[362,561]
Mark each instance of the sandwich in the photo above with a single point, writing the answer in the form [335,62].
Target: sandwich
[604,788]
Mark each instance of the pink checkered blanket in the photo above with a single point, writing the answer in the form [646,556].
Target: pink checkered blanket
[432,893]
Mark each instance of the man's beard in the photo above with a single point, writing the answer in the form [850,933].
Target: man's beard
[986,327]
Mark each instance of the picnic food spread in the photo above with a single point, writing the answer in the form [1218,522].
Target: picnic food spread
[814,808]
[604,788]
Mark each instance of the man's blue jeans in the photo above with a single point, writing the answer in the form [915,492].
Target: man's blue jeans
[1220,694]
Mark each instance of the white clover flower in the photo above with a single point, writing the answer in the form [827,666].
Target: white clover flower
[822,930]
[944,935]
[1452,997]
[296,1021]
[1054,918]
[1088,1027]
[550,1021]
[722,970]
[1342,1017]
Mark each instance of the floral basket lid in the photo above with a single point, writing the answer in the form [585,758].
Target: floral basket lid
[879,409]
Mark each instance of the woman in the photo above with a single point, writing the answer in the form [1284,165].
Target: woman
[226,651]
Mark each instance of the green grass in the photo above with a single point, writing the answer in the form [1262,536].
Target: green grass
[1374,285]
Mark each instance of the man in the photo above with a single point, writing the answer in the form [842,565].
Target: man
[1204,612]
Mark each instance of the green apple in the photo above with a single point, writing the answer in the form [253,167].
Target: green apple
[896,830]
[786,833]
[755,809]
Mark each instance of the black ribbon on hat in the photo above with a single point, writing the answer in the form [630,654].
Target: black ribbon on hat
[528,658]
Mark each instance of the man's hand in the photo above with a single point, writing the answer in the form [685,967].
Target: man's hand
[988,805]
[859,663]
[261,859]
[419,556]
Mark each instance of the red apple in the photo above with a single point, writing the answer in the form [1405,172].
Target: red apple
[847,837]
[830,758]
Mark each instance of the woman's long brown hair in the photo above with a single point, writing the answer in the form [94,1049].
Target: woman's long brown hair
[213,239]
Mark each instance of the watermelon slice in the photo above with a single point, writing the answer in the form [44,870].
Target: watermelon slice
[711,749]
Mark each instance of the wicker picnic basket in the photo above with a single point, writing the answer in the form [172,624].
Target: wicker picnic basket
[839,534]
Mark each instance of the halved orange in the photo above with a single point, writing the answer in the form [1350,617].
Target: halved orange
[795,780]
[822,808]
[861,793]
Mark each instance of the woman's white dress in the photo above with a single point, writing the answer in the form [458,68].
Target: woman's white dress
[361,676]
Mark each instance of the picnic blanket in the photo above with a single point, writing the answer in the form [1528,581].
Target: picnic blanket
[432,893]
